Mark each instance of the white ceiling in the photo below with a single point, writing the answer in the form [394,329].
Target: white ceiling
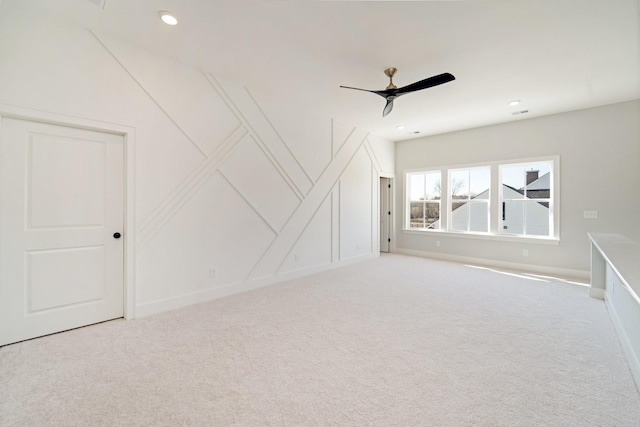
[554,55]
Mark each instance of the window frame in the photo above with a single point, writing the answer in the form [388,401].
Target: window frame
[495,199]
[550,199]
[469,201]
[424,201]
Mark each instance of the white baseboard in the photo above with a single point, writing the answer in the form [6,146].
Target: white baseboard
[173,303]
[596,293]
[627,348]
[541,269]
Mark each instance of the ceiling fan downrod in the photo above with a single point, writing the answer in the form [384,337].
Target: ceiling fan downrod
[390,72]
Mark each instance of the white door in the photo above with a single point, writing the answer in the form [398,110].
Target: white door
[61,195]
[385,214]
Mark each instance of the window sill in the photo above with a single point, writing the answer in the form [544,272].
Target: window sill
[486,236]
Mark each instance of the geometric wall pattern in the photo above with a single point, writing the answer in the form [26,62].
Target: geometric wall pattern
[248,210]
[226,193]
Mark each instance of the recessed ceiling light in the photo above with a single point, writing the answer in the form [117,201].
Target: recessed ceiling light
[167,17]
[514,102]
[400,127]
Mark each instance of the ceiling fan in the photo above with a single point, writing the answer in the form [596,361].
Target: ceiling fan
[392,91]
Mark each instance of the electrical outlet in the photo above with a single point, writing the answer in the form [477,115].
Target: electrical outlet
[357,246]
[590,214]
[213,273]
[296,258]
[437,243]
[525,252]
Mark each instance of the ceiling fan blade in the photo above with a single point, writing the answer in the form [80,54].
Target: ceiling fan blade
[356,88]
[388,107]
[382,93]
[426,83]
[392,92]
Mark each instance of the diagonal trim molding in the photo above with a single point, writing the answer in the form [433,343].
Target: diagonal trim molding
[245,107]
[174,203]
[151,97]
[279,137]
[280,248]
[372,156]
[335,148]
[248,202]
[335,223]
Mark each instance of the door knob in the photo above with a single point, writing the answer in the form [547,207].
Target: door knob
[117,235]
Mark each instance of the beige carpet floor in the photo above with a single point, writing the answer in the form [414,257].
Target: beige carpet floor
[395,341]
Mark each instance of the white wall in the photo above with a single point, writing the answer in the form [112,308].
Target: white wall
[222,180]
[599,151]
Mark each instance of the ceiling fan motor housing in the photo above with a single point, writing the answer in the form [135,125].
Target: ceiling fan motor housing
[390,72]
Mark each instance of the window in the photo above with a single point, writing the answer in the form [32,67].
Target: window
[526,201]
[469,199]
[424,190]
[511,199]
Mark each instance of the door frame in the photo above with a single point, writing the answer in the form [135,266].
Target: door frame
[129,137]
[392,234]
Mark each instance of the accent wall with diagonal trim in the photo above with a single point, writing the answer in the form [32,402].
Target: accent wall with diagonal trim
[230,193]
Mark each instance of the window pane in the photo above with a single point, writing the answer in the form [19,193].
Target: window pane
[537,219]
[526,197]
[538,179]
[467,185]
[513,182]
[433,187]
[459,216]
[416,187]
[513,217]
[416,215]
[424,199]
[456,204]
[480,183]
[459,185]
[433,216]
[536,170]
[424,215]
[479,216]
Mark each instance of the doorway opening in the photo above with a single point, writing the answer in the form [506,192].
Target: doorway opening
[385,214]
